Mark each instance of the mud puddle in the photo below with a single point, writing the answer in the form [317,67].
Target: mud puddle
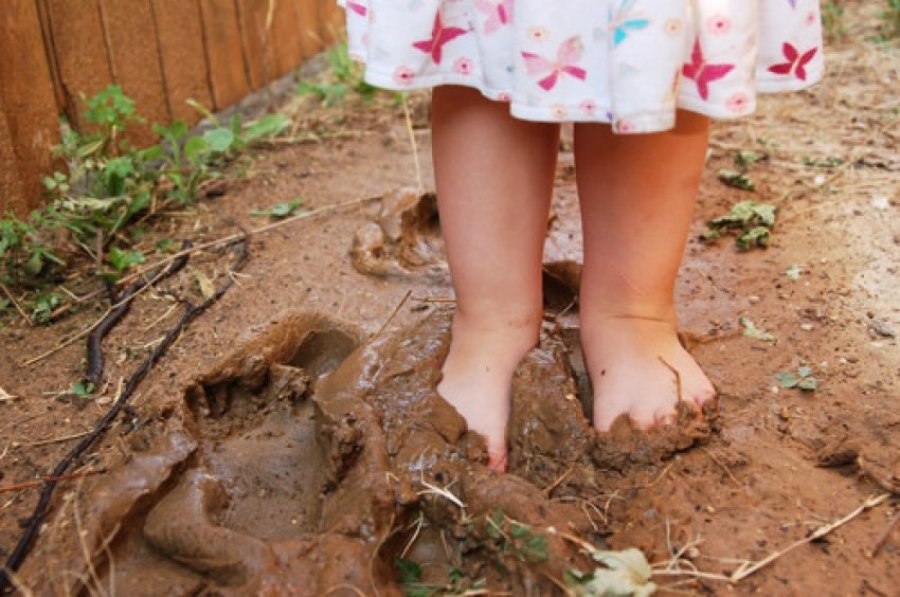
[313,459]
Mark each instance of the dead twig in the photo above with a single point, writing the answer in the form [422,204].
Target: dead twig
[55,440]
[41,481]
[95,359]
[388,321]
[16,304]
[26,540]
[882,541]
[231,238]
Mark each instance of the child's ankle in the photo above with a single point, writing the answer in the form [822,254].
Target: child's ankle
[502,340]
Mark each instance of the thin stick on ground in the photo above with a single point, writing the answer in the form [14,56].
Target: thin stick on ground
[388,321]
[29,534]
[238,236]
[748,568]
[124,301]
[415,146]
[41,481]
[882,541]
[56,440]
[16,304]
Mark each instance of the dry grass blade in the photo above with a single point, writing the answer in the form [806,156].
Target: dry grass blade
[16,304]
[442,492]
[5,396]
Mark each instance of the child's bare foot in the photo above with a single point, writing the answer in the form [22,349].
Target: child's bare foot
[477,377]
[632,362]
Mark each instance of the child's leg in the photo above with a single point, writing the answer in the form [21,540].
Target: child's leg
[637,198]
[494,180]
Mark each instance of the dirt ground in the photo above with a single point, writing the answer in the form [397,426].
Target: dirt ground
[291,441]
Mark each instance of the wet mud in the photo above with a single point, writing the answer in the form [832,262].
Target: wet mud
[312,458]
[403,238]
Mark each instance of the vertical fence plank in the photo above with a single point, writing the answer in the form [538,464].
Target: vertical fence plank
[308,23]
[184,60]
[284,37]
[31,120]
[252,22]
[331,22]
[12,195]
[223,52]
[81,54]
[135,53]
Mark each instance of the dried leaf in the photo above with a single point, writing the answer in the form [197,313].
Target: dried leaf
[751,331]
[625,573]
[207,289]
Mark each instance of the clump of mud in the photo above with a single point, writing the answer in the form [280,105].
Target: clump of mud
[402,239]
[312,461]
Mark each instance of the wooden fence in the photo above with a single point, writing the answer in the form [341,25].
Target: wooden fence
[162,52]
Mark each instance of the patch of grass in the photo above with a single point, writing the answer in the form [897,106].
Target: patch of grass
[107,187]
[516,539]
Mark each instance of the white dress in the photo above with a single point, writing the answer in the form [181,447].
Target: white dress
[626,62]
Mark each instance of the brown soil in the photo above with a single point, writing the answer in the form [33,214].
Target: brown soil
[290,442]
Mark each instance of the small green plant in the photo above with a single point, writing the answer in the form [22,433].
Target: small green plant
[752,220]
[516,539]
[344,77]
[108,186]
[279,210]
[751,331]
[83,389]
[802,379]
[737,180]
[833,20]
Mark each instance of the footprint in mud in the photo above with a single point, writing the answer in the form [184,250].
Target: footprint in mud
[403,239]
[310,460]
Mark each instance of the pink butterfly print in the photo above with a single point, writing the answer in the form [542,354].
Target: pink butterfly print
[500,13]
[440,35]
[356,7]
[569,53]
[701,72]
[795,62]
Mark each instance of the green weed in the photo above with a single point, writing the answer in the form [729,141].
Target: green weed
[344,79]
[752,220]
[108,186]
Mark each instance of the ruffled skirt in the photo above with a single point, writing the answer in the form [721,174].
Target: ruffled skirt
[631,63]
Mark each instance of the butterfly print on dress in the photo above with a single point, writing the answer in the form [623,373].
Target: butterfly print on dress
[440,35]
[701,72]
[568,55]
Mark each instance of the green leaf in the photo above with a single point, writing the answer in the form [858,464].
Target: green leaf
[735,179]
[82,389]
[809,384]
[793,272]
[219,139]
[751,331]
[787,380]
[195,148]
[534,549]
[804,371]
[122,260]
[748,157]
[43,307]
[755,237]
[165,245]
[409,571]
[279,210]
[267,126]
